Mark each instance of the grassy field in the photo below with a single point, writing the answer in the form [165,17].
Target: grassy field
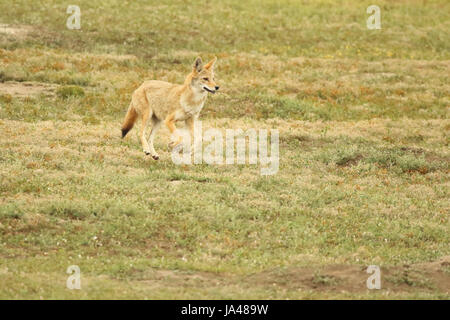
[364,151]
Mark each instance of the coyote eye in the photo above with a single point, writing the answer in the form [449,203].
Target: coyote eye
[206,79]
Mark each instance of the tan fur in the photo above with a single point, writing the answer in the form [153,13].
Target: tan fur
[130,119]
[156,101]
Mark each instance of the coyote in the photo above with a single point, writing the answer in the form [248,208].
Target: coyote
[156,101]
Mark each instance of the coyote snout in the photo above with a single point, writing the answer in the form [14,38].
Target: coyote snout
[157,101]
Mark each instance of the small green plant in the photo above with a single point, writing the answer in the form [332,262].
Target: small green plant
[10,211]
[347,157]
[324,280]
[70,91]
[413,278]
[65,209]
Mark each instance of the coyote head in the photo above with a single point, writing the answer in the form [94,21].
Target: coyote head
[203,76]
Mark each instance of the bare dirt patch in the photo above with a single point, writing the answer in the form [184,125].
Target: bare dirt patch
[427,276]
[17,31]
[26,89]
[332,278]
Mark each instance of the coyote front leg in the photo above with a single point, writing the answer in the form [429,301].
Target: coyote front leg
[170,123]
[190,122]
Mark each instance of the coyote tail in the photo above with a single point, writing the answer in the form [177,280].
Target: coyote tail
[129,121]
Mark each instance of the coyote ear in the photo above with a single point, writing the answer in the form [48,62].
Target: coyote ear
[198,64]
[211,63]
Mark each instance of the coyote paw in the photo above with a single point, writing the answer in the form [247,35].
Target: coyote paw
[178,148]
[154,156]
[172,144]
[175,142]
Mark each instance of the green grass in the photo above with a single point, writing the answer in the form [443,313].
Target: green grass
[364,161]
[70,91]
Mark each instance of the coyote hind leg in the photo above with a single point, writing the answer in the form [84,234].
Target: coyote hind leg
[145,118]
